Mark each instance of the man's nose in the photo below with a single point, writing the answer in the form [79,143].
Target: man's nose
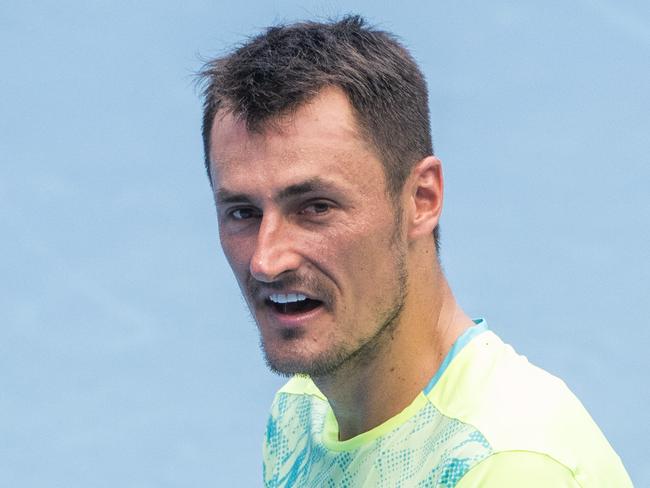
[275,251]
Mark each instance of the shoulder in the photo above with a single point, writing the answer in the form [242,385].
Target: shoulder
[295,404]
[296,415]
[521,408]
[301,385]
[512,401]
[514,469]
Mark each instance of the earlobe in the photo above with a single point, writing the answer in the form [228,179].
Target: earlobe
[426,195]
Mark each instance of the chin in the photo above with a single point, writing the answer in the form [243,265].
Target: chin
[291,359]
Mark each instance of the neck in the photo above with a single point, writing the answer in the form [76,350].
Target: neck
[364,395]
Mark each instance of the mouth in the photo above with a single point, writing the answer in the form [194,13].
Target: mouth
[291,303]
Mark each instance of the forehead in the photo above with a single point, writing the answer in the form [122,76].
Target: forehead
[321,138]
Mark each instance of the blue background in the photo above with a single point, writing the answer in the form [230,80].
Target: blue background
[127,357]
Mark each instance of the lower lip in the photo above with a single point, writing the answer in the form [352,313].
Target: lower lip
[284,320]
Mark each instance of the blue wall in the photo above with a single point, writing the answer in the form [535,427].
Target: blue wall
[127,357]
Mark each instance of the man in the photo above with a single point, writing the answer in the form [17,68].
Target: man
[328,195]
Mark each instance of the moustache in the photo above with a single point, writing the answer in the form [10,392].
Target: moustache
[311,286]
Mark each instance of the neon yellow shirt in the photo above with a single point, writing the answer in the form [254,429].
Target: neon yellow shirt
[488,419]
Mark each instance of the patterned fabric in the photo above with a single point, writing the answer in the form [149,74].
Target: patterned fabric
[418,447]
[488,418]
[428,449]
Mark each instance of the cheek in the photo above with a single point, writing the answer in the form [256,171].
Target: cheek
[361,251]
[237,250]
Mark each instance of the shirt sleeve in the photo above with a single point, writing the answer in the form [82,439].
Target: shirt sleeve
[514,469]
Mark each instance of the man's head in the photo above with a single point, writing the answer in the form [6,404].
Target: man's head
[317,144]
[279,70]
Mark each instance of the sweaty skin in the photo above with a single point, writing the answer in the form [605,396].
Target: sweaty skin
[303,209]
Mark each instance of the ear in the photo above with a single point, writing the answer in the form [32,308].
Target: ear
[425,192]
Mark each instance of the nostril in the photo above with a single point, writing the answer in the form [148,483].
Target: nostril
[271,259]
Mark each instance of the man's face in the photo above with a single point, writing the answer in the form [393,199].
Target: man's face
[311,235]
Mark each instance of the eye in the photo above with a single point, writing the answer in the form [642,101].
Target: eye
[317,208]
[243,213]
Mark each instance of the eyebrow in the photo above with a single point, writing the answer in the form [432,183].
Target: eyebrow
[226,196]
[222,195]
[307,186]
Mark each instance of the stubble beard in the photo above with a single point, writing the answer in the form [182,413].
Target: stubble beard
[343,355]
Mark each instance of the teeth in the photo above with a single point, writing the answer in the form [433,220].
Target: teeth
[288,298]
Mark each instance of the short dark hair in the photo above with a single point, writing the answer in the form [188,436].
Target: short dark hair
[275,72]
